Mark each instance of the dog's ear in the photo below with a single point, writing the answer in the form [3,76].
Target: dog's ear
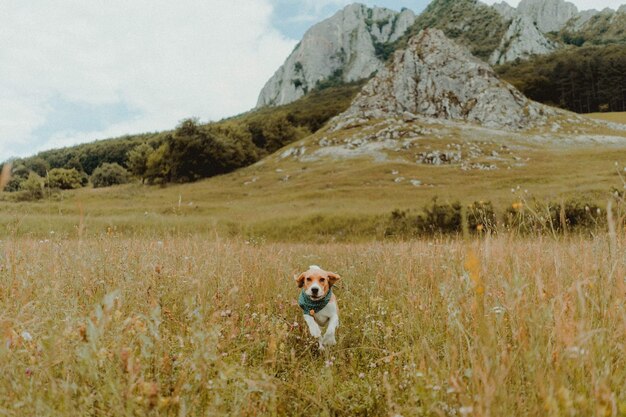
[332,278]
[300,280]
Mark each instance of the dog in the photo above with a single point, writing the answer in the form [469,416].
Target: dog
[319,304]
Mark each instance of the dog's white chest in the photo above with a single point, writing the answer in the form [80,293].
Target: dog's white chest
[325,314]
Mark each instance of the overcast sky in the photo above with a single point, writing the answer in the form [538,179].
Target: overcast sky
[73,71]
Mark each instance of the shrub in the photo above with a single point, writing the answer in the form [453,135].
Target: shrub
[31,189]
[537,217]
[107,175]
[441,218]
[481,217]
[64,179]
[435,219]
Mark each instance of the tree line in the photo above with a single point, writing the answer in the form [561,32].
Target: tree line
[190,152]
[584,80]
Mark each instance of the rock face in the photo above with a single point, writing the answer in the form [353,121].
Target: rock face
[437,78]
[505,9]
[578,22]
[548,15]
[521,41]
[349,46]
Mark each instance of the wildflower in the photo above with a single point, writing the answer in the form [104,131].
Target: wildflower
[328,364]
[464,411]
[498,310]
[479,227]
[361,375]
[27,336]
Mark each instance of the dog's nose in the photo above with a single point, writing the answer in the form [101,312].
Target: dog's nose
[314,290]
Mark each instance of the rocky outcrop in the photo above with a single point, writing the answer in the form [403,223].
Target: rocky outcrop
[436,78]
[347,47]
[521,41]
[548,15]
[597,27]
[577,22]
[505,9]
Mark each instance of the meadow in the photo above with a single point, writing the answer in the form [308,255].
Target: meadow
[180,300]
[193,326]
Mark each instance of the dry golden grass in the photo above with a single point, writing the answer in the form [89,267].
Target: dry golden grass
[497,327]
[617,117]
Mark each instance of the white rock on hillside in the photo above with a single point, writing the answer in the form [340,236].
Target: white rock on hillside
[521,41]
[343,46]
[577,22]
[505,9]
[437,78]
[549,15]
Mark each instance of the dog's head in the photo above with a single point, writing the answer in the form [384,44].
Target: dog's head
[317,282]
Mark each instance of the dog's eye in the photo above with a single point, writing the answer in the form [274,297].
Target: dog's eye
[322,280]
[308,279]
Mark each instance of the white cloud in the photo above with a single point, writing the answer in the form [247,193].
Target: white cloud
[581,4]
[165,60]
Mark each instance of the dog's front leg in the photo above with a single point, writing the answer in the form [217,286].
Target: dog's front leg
[329,337]
[315,330]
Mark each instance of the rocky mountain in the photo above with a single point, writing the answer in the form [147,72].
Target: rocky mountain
[522,40]
[469,22]
[356,42]
[548,15]
[564,21]
[437,78]
[349,46]
[596,27]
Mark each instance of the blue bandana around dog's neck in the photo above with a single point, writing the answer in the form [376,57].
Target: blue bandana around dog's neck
[306,304]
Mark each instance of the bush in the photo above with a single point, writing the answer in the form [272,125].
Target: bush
[441,218]
[481,217]
[107,175]
[64,179]
[536,217]
[31,189]
[434,220]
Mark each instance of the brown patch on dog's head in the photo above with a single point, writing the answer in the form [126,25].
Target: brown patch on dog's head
[317,282]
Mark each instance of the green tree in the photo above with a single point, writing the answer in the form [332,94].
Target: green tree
[108,174]
[194,152]
[64,179]
[158,167]
[138,160]
[19,173]
[32,188]
[37,165]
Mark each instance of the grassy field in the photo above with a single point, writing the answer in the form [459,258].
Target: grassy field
[186,326]
[287,199]
[619,117]
[142,300]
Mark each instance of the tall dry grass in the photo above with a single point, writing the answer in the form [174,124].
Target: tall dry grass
[503,326]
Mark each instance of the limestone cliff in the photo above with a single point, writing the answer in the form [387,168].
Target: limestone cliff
[349,46]
[437,78]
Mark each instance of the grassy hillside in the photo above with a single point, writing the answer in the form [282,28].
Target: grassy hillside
[616,117]
[254,134]
[290,197]
[469,22]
